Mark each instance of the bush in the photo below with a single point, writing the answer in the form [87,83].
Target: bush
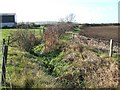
[53,33]
[25,39]
[51,39]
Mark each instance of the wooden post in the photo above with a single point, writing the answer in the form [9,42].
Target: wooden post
[5,52]
[8,40]
[3,74]
[73,35]
[111,48]
[4,62]
[3,41]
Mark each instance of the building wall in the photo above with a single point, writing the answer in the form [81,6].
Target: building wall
[7,25]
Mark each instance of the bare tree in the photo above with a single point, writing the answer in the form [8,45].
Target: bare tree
[69,18]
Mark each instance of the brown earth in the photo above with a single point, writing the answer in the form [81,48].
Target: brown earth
[102,32]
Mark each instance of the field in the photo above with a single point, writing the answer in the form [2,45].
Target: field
[63,66]
[102,32]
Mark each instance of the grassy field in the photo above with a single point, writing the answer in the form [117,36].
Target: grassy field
[7,32]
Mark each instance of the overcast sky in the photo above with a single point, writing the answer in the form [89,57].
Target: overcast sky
[86,11]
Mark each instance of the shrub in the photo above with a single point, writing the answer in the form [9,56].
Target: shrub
[52,34]
[50,38]
[25,39]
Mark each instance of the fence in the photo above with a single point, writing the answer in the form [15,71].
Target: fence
[4,53]
[96,43]
[106,45]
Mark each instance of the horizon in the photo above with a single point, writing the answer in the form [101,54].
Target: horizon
[73,22]
[87,11]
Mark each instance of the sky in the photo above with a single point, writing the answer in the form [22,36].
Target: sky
[85,11]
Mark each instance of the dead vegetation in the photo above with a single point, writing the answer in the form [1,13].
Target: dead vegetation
[96,72]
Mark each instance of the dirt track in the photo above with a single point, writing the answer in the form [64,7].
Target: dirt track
[102,32]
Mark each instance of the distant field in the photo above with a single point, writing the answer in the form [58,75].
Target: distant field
[6,32]
[101,32]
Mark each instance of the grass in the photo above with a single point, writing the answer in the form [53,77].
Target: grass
[66,37]
[105,54]
[7,32]
[76,30]
[24,70]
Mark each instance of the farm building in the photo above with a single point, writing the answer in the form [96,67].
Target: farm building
[7,20]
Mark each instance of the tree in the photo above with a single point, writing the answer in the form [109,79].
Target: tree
[69,18]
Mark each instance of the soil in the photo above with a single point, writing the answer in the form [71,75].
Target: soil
[102,32]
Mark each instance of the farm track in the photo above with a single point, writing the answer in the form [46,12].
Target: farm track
[102,32]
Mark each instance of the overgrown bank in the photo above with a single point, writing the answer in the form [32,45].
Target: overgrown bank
[66,64]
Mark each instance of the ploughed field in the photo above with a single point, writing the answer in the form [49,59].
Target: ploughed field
[102,32]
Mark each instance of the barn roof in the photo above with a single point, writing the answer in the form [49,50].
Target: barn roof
[7,14]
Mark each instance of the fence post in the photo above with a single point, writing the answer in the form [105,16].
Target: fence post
[4,62]
[8,40]
[5,52]
[111,48]
[3,41]
[3,74]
